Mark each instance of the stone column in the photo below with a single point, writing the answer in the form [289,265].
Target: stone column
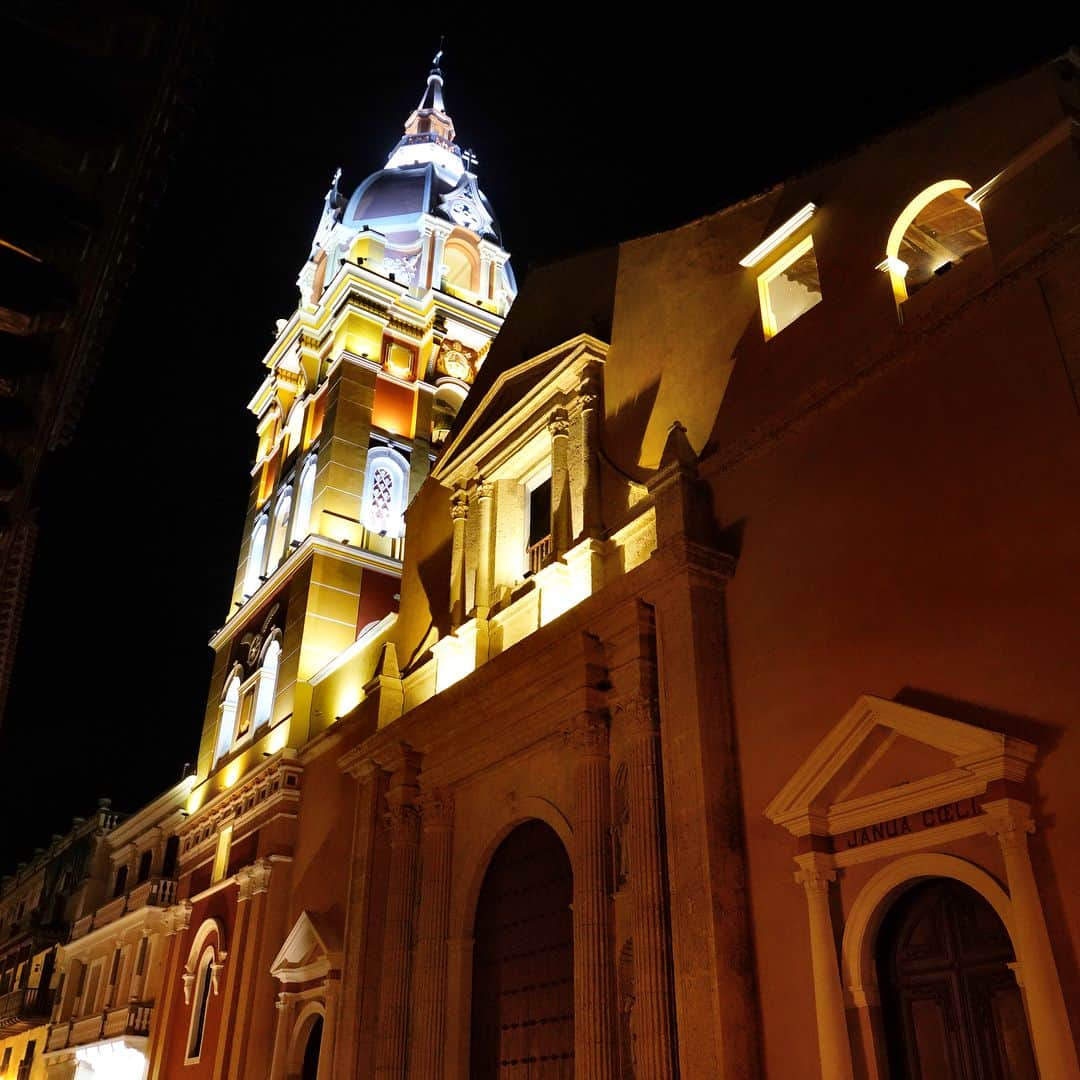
[562,519]
[429,1016]
[589,404]
[484,493]
[402,820]
[1051,1035]
[279,1062]
[459,508]
[594,992]
[655,1045]
[437,255]
[326,1045]
[834,1048]
[369,796]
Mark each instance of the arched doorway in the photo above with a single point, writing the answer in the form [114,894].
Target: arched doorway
[950,1004]
[523,961]
[309,1066]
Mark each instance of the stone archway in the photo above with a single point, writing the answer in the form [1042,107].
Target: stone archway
[523,966]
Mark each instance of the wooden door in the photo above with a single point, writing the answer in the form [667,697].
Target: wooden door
[950,1004]
[523,964]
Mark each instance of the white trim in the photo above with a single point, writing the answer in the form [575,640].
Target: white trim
[858,956]
[778,236]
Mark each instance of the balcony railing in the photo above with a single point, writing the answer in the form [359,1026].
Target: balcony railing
[539,554]
[130,1019]
[25,1008]
[157,892]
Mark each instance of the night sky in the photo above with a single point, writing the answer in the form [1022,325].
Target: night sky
[584,136]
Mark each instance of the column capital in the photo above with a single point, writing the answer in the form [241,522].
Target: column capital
[254,879]
[178,917]
[485,489]
[361,769]
[459,504]
[559,423]
[815,878]
[638,712]
[1010,821]
[588,734]
[436,809]
[402,819]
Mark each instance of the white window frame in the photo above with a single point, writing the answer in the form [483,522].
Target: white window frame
[266,691]
[227,720]
[305,497]
[383,457]
[256,556]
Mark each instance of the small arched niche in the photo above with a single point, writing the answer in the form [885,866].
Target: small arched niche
[938,229]
[462,264]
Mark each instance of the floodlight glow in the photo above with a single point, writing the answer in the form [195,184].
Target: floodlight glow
[775,239]
[893,265]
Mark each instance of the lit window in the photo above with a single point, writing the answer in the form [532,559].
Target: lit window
[252,575]
[203,983]
[537,524]
[302,517]
[281,531]
[264,696]
[937,230]
[230,704]
[384,492]
[789,288]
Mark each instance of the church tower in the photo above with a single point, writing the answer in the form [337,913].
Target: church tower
[404,288]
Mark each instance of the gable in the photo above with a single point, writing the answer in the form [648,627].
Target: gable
[884,759]
[311,951]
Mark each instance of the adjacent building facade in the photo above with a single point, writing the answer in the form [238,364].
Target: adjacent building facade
[717,717]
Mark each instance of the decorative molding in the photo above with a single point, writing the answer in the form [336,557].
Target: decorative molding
[812,802]
[437,809]
[559,424]
[254,879]
[589,734]
[312,951]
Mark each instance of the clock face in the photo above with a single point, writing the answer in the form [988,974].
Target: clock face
[465,214]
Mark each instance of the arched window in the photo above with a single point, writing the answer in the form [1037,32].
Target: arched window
[462,265]
[252,575]
[200,977]
[385,487]
[935,231]
[294,427]
[306,494]
[280,534]
[264,696]
[230,703]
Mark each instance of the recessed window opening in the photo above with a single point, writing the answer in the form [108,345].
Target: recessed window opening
[789,288]
[944,232]
[252,574]
[202,1002]
[537,523]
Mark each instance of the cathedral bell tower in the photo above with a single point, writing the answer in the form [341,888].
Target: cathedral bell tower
[404,288]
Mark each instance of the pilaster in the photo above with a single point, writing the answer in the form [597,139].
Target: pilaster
[429,1024]
[594,991]
[402,821]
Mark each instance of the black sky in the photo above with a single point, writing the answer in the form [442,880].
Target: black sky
[585,135]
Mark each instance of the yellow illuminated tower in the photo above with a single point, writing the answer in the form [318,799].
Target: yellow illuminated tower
[405,286]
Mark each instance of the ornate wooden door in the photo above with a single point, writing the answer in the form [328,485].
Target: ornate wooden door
[523,964]
[950,1004]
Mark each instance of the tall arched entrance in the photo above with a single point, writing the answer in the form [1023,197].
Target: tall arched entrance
[950,1004]
[523,962]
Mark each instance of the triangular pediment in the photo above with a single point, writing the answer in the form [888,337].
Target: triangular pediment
[884,759]
[521,388]
[311,951]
